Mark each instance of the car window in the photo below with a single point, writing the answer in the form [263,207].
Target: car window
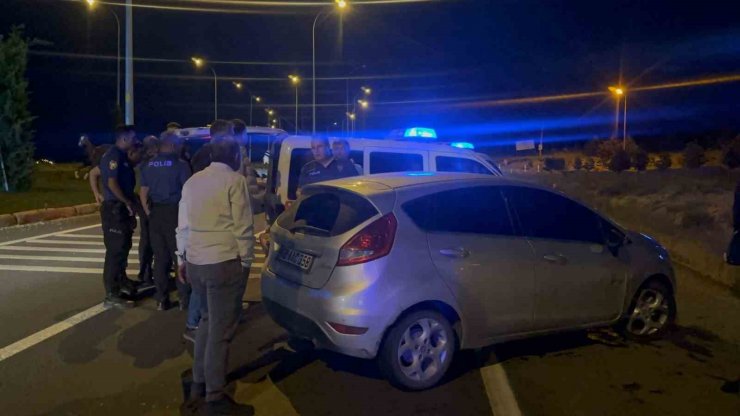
[381,162]
[460,164]
[298,159]
[474,210]
[357,157]
[543,214]
[334,211]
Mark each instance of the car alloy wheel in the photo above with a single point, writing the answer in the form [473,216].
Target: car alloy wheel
[423,350]
[651,313]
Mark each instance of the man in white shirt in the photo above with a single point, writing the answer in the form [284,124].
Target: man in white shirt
[215,242]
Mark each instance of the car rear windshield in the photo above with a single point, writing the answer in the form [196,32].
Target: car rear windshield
[327,213]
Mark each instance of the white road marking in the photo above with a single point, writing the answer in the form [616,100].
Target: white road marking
[59,258]
[66,242]
[55,249]
[58,269]
[49,332]
[500,396]
[98,236]
[7,243]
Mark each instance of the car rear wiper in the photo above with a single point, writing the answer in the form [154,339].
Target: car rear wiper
[303,227]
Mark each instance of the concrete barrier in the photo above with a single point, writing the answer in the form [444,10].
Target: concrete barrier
[6,220]
[28,217]
[85,209]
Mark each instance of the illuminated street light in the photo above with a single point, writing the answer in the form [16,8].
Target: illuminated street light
[296,80]
[366,90]
[363,103]
[91,3]
[341,6]
[270,112]
[238,85]
[199,62]
[619,92]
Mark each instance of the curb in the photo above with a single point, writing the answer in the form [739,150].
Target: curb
[39,215]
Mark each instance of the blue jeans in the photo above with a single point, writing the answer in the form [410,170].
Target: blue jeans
[194,309]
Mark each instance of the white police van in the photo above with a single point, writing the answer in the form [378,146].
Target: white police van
[416,150]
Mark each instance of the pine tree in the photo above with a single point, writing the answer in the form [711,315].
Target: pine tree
[16,136]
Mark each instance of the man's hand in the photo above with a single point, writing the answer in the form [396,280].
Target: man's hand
[147,211]
[130,209]
[98,198]
[182,274]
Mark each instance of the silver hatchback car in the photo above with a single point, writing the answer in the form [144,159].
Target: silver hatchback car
[411,267]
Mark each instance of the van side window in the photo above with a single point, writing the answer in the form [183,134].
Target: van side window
[459,164]
[298,159]
[381,162]
[358,158]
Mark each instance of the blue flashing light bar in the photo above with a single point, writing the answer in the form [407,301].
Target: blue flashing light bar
[420,132]
[462,145]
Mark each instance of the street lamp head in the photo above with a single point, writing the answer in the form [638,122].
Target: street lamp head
[270,111]
[238,85]
[90,3]
[341,4]
[617,90]
[197,61]
[351,116]
[363,103]
[367,90]
[295,79]
[257,99]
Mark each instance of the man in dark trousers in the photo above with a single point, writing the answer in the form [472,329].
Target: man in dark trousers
[215,242]
[146,251]
[162,179]
[117,215]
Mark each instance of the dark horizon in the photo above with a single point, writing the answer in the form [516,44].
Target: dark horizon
[437,64]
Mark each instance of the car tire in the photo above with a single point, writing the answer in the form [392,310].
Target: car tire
[417,350]
[651,314]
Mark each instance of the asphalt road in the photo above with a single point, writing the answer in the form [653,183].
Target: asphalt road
[133,362]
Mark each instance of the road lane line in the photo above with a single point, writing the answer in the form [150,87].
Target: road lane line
[98,236]
[58,269]
[67,242]
[59,258]
[7,243]
[49,332]
[500,396]
[55,249]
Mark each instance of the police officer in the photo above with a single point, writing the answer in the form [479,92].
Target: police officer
[146,252]
[324,167]
[162,179]
[117,216]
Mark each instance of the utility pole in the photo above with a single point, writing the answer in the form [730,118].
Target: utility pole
[129,96]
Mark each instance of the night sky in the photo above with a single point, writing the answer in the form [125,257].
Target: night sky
[441,64]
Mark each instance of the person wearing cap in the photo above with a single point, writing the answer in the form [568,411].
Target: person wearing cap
[215,243]
[162,179]
[117,215]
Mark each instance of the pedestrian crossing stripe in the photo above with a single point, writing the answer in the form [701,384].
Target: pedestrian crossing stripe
[60,258]
[98,236]
[65,242]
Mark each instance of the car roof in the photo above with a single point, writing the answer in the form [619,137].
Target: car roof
[205,132]
[305,142]
[396,180]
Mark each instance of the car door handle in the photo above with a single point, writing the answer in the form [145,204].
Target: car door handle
[459,253]
[555,258]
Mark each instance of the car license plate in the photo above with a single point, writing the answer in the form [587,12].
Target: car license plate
[296,258]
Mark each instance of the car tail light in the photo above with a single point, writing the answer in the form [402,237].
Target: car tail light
[346,329]
[373,242]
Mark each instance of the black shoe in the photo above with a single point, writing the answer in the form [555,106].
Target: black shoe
[227,406]
[189,334]
[146,282]
[163,305]
[116,301]
[128,287]
[196,400]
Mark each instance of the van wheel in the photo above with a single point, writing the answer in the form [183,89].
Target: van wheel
[651,314]
[417,350]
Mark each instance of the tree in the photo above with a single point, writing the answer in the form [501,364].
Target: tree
[664,161]
[640,159]
[577,163]
[693,156]
[16,136]
[620,161]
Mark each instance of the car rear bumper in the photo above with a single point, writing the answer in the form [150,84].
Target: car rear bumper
[305,313]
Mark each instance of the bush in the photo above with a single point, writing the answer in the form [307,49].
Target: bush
[731,153]
[589,164]
[620,161]
[577,163]
[663,161]
[640,159]
[554,163]
[693,156]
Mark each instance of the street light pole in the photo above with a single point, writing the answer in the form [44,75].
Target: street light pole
[129,96]
[341,5]
[215,93]
[624,127]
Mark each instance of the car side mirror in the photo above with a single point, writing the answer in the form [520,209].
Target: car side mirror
[614,241]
